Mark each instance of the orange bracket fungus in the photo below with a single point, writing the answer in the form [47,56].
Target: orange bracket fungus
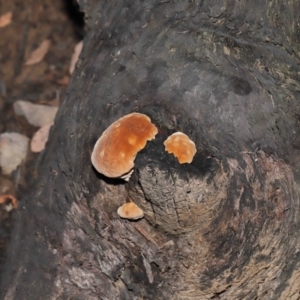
[181,146]
[116,149]
[130,211]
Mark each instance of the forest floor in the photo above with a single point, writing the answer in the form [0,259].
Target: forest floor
[46,82]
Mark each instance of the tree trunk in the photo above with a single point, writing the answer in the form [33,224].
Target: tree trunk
[226,226]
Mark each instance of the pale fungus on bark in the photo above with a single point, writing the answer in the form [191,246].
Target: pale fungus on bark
[115,151]
[181,146]
[130,211]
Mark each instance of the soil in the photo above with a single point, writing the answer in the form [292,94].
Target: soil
[43,83]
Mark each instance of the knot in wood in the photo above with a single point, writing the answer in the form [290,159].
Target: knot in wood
[175,201]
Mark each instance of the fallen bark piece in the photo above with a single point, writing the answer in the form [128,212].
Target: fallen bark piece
[75,56]
[5,19]
[40,138]
[38,54]
[13,150]
[36,114]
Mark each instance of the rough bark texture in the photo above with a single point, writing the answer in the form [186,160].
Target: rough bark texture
[224,227]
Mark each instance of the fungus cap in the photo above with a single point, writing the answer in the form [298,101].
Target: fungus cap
[116,149]
[130,211]
[181,146]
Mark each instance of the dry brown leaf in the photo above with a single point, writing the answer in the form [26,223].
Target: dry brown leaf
[75,56]
[5,19]
[40,139]
[55,102]
[6,186]
[63,81]
[11,198]
[50,75]
[38,54]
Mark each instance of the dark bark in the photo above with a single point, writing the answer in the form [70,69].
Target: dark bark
[224,227]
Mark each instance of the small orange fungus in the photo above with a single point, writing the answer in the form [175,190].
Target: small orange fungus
[130,211]
[181,146]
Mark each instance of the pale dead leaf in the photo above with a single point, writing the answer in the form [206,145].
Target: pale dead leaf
[40,139]
[13,150]
[5,19]
[38,54]
[75,56]
[36,114]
